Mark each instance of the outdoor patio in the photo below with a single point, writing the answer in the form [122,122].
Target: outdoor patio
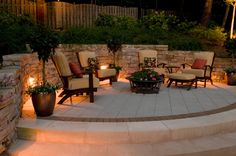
[117,103]
[175,122]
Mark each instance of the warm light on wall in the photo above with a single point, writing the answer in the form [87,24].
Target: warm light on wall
[31,81]
[104,67]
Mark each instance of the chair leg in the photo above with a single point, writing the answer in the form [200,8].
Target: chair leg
[91,96]
[170,81]
[62,93]
[110,79]
[205,83]
[211,81]
[64,98]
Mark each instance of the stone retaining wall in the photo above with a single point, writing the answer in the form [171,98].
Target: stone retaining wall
[18,68]
[10,104]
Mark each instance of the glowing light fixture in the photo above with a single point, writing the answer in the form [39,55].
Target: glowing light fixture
[104,67]
[31,81]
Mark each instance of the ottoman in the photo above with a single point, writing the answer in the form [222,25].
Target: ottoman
[183,78]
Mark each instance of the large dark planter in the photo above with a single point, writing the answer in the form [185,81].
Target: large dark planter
[44,103]
[231,79]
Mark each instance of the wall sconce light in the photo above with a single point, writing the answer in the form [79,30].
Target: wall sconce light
[31,81]
[103,67]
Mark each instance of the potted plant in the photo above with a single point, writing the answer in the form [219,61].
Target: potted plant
[43,41]
[230,46]
[114,46]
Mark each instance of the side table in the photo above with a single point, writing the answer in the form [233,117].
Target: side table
[172,68]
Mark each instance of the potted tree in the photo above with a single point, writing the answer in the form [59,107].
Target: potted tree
[230,46]
[114,46]
[43,41]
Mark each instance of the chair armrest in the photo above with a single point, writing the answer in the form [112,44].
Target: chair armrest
[208,66]
[87,70]
[161,64]
[184,65]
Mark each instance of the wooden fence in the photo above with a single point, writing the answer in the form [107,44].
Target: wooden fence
[62,15]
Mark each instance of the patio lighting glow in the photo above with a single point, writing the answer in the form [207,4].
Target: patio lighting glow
[31,81]
[104,67]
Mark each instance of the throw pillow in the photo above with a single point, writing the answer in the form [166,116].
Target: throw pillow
[199,63]
[93,62]
[75,69]
[150,62]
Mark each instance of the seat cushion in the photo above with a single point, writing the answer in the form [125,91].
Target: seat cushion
[146,53]
[209,56]
[83,57]
[62,64]
[106,73]
[79,83]
[196,72]
[199,63]
[182,76]
[75,69]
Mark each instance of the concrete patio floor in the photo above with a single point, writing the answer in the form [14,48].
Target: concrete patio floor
[176,122]
[118,103]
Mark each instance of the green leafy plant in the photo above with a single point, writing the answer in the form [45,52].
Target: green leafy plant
[42,89]
[145,75]
[43,41]
[230,46]
[230,70]
[113,46]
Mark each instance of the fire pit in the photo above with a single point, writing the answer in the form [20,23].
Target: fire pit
[145,81]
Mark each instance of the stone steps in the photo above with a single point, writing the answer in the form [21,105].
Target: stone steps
[199,136]
[217,145]
[125,132]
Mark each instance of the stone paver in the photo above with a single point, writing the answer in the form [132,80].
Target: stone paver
[117,101]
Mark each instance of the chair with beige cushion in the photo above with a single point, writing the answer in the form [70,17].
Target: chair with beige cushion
[101,74]
[73,85]
[148,59]
[202,66]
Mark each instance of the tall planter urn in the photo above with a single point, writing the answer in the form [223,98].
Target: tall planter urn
[44,103]
[231,79]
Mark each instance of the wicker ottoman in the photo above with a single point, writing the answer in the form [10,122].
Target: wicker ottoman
[183,78]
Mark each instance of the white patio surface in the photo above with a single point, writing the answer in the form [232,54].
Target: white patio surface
[118,102]
[211,132]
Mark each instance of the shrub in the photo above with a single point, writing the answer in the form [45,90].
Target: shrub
[159,20]
[15,32]
[215,35]
[105,20]
[125,22]
[121,22]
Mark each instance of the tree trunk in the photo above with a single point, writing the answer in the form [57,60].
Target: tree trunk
[206,12]
[43,73]
[232,22]
[226,16]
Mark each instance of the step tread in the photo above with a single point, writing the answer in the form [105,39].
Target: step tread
[220,144]
[125,132]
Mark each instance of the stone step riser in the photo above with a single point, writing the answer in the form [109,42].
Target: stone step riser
[123,136]
[23,148]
